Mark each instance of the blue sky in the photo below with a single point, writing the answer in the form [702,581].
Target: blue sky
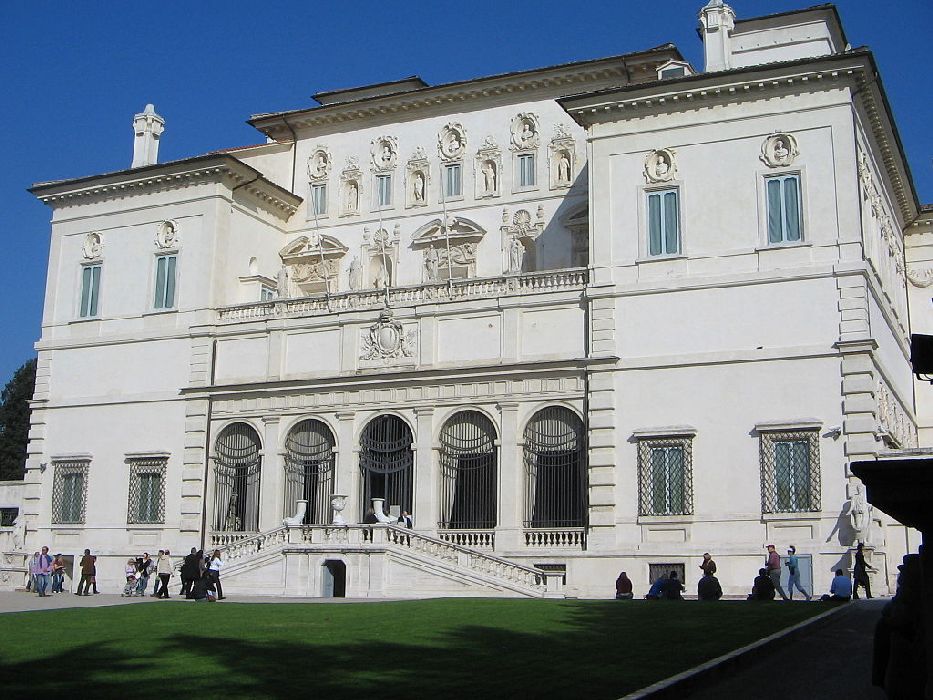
[75,73]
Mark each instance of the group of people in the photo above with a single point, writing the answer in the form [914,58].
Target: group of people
[765,586]
[200,574]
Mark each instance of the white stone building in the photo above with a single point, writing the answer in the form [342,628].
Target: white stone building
[602,316]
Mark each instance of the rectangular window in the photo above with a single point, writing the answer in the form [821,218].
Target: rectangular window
[790,472]
[147,491]
[663,223]
[384,188]
[8,516]
[90,290]
[266,293]
[69,492]
[453,180]
[526,170]
[665,476]
[319,199]
[784,210]
[165,282]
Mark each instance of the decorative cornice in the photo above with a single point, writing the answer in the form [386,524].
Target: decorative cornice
[171,176]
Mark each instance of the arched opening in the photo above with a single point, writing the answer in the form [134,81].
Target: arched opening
[309,470]
[387,463]
[237,469]
[555,469]
[334,579]
[468,472]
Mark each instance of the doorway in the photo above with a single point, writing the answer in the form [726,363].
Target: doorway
[335,579]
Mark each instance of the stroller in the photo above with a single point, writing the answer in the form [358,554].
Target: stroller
[132,576]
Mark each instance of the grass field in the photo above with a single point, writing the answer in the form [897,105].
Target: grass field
[449,648]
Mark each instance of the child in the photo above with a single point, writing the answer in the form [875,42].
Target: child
[130,572]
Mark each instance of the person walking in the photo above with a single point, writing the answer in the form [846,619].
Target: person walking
[164,569]
[43,572]
[773,565]
[793,573]
[214,572]
[860,573]
[708,565]
[145,566]
[190,572]
[88,571]
[33,565]
[58,574]
[158,581]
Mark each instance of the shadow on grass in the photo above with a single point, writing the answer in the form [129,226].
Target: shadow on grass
[602,650]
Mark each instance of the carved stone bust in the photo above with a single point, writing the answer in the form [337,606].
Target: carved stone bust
[779,150]
[93,246]
[660,165]
[167,235]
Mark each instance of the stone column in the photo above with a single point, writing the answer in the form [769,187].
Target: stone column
[272,480]
[511,480]
[425,487]
[348,470]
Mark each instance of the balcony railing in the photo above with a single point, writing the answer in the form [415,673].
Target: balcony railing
[477,539]
[556,538]
[573,279]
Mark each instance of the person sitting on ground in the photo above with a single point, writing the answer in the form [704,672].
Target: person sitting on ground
[203,589]
[763,587]
[657,588]
[840,590]
[624,587]
[673,587]
[708,588]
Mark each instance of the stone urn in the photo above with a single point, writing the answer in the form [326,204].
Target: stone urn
[338,502]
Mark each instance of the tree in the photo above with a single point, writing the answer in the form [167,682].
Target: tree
[14,421]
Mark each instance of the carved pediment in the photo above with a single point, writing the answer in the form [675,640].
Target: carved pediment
[312,246]
[458,229]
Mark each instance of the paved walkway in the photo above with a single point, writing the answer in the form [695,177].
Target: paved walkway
[21,601]
[833,661]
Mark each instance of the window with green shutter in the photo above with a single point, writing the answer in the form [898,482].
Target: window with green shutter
[663,222]
[90,290]
[784,209]
[165,282]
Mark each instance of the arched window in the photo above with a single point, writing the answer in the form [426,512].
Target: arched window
[468,472]
[555,469]
[386,463]
[237,468]
[309,470]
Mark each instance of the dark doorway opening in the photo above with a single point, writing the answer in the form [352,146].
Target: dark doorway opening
[335,579]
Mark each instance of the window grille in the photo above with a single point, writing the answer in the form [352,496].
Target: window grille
[386,463]
[555,469]
[146,503]
[69,492]
[656,571]
[468,472]
[665,476]
[310,460]
[790,472]
[663,222]
[165,282]
[784,209]
[237,470]
[90,290]
[8,516]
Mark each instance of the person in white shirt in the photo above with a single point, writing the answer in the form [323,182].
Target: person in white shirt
[215,566]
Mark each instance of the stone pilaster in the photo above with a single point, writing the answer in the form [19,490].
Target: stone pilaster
[272,478]
[194,460]
[602,326]
[859,405]
[425,496]
[602,447]
[511,478]
[348,470]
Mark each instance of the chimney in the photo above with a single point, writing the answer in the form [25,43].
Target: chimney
[717,20]
[148,127]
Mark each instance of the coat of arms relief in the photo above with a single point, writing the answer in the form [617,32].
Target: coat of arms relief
[388,341]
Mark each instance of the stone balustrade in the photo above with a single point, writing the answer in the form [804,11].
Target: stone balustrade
[478,539]
[573,279]
[556,538]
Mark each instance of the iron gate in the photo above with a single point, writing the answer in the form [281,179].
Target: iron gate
[468,472]
[237,468]
[555,469]
[387,463]
[309,470]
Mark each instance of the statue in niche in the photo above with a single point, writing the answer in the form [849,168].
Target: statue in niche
[528,134]
[516,254]
[661,166]
[418,187]
[382,278]
[431,263]
[355,273]
[489,177]
[318,167]
[563,168]
[860,514]
[353,197]
[386,155]
[282,283]
[781,151]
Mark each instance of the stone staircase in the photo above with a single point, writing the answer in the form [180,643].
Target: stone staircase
[451,568]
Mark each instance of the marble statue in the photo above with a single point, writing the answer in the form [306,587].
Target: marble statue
[338,502]
[282,283]
[860,514]
[781,152]
[386,155]
[563,168]
[516,255]
[19,532]
[382,273]
[355,273]
[661,167]
[527,135]
[431,263]
[418,187]
[489,177]
[353,197]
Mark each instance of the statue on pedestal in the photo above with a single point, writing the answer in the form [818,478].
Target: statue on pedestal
[860,514]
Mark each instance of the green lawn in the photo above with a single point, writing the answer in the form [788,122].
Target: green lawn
[447,648]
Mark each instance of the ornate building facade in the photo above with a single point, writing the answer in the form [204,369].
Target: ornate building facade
[602,316]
